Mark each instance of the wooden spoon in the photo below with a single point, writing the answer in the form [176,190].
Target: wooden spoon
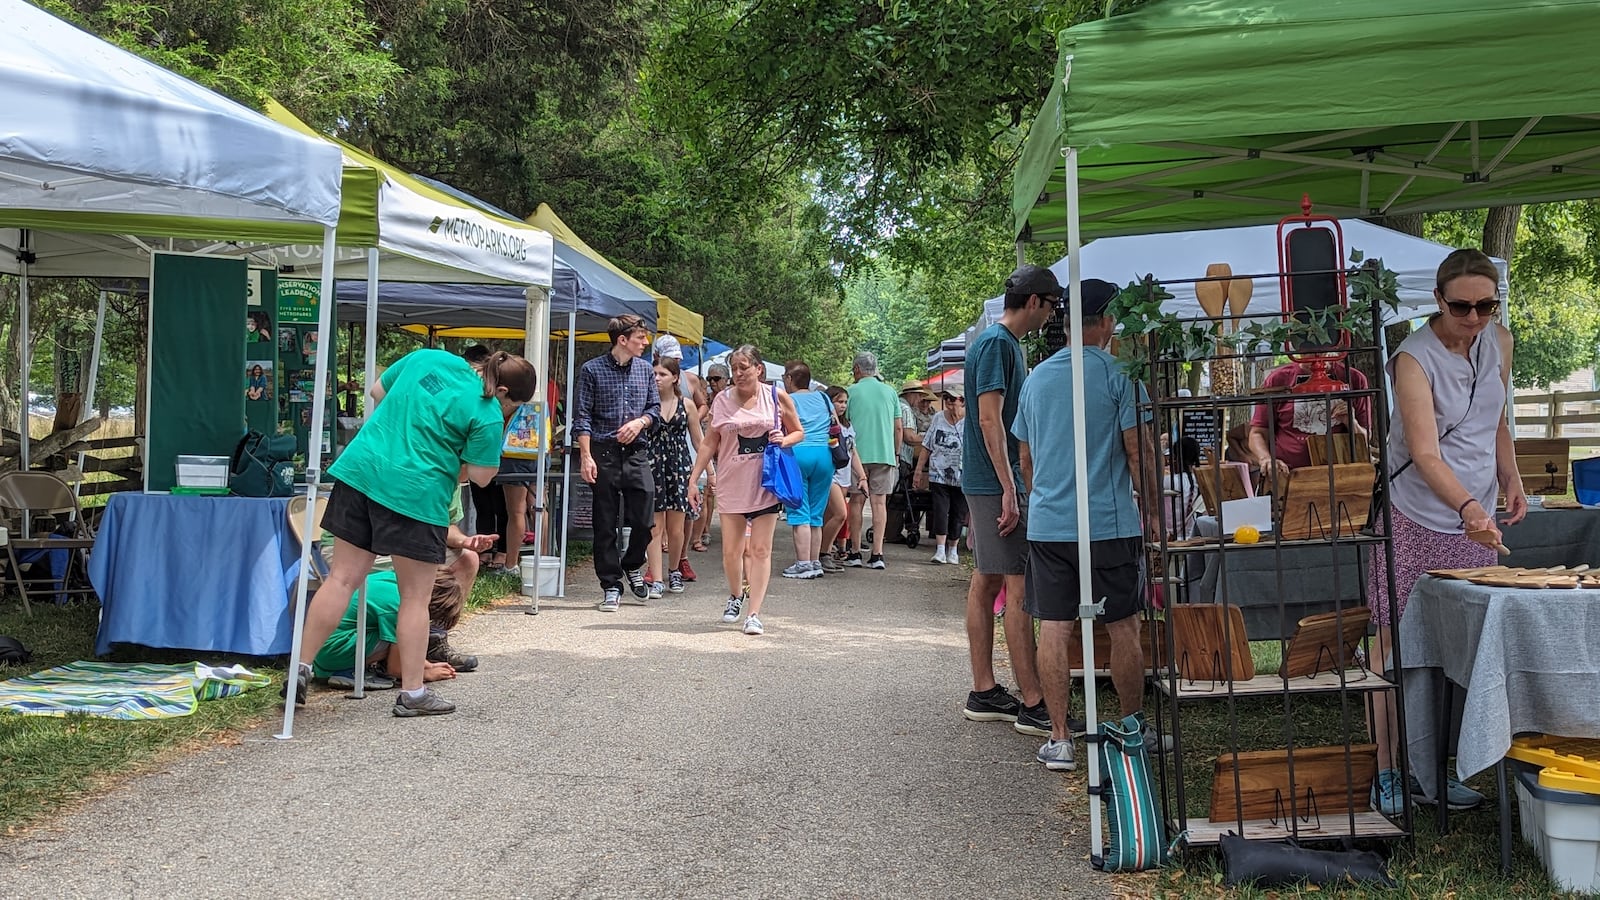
[1238,299]
[1213,295]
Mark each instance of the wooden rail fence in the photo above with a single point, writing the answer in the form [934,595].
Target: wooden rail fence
[1549,413]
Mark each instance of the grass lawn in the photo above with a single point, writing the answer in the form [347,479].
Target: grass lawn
[49,763]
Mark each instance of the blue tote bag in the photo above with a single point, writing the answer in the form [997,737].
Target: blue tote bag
[780,473]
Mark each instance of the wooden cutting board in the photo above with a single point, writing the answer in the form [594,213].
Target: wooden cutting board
[1310,510]
[1205,637]
[1315,646]
[1264,788]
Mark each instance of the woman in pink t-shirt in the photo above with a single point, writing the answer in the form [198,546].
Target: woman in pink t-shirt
[1295,419]
[744,419]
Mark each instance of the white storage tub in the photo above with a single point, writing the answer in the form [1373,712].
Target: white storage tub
[202,471]
[1564,826]
[543,573]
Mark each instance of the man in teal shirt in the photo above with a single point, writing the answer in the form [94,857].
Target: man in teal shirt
[875,415]
[1044,429]
[997,509]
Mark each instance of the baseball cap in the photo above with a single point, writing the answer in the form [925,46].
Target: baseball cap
[1097,295]
[954,389]
[1031,279]
[666,346]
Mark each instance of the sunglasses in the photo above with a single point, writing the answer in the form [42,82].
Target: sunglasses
[715,378]
[1484,308]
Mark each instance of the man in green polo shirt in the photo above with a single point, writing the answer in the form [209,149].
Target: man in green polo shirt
[875,415]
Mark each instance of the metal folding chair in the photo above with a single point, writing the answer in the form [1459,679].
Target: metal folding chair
[27,500]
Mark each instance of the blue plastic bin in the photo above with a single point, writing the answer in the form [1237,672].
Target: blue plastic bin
[1586,480]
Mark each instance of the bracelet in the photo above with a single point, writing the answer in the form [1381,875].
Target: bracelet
[1464,506]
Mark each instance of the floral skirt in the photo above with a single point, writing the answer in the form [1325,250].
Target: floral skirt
[1416,550]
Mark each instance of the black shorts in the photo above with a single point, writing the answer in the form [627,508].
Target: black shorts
[355,518]
[768,511]
[1117,578]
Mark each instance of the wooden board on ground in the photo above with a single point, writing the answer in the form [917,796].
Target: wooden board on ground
[1311,510]
[1210,643]
[1544,464]
[1319,776]
[1326,642]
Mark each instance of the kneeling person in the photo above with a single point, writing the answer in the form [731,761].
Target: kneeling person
[1048,458]
[336,660]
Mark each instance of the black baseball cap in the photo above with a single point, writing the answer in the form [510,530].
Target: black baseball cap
[1031,279]
[1097,295]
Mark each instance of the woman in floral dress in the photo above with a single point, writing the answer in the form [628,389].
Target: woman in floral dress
[670,463]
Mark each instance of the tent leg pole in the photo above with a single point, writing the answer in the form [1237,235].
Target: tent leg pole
[94,376]
[566,469]
[319,404]
[1087,600]
[536,349]
[25,357]
[369,368]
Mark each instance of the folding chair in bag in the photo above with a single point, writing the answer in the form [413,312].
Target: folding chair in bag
[35,500]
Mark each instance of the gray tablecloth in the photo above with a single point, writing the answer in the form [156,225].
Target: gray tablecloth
[1313,578]
[1529,660]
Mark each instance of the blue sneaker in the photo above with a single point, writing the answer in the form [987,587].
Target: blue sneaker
[1386,797]
[1457,796]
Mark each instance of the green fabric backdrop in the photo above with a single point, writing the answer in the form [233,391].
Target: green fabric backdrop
[197,352]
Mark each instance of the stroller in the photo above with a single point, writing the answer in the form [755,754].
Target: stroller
[907,512]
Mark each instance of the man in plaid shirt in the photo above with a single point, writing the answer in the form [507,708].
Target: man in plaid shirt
[617,405]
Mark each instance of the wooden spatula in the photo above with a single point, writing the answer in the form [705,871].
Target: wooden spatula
[1238,299]
[1213,295]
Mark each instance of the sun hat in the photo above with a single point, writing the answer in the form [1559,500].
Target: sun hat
[913,386]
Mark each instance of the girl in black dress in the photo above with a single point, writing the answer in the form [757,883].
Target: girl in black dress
[671,456]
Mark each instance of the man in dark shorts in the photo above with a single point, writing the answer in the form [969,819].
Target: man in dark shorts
[997,508]
[1115,450]
[616,406]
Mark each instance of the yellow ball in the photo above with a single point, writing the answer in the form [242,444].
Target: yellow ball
[1246,534]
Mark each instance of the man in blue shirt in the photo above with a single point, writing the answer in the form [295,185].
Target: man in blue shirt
[1044,428]
[997,508]
[617,404]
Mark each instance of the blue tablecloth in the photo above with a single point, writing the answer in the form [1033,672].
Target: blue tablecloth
[196,573]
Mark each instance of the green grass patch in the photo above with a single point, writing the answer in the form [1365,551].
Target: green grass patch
[49,763]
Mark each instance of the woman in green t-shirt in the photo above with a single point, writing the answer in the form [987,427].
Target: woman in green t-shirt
[434,420]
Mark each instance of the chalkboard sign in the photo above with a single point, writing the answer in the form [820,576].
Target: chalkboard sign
[1204,425]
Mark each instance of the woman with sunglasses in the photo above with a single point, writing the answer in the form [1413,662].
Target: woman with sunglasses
[938,471]
[1450,455]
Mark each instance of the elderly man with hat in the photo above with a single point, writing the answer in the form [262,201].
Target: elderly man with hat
[1117,454]
[992,482]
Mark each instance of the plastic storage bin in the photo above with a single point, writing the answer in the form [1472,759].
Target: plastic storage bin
[1564,826]
[543,573]
[1586,480]
[202,471]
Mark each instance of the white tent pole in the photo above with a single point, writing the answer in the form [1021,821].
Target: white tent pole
[359,673]
[369,370]
[566,468]
[24,351]
[1087,602]
[536,349]
[319,403]
[94,375]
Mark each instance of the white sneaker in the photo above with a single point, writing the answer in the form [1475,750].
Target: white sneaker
[953,557]
[938,556]
[1057,756]
[752,625]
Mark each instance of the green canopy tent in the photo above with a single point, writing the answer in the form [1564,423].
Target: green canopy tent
[1189,115]
[1202,115]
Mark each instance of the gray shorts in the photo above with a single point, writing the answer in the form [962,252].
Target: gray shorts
[993,553]
[881,478]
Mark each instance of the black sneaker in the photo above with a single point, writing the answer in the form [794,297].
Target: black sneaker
[875,561]
[302,682]
[853,560]
[636,583]
[1034,720]
[994,705]
[439,650]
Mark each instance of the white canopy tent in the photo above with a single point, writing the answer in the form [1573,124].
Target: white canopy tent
[1251,250]
[99,145]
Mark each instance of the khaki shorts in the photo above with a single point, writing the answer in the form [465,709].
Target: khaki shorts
[881,478]
[992,552]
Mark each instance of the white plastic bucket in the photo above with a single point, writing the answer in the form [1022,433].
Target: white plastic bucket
[545,574]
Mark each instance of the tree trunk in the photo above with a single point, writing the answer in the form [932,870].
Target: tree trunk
[1406,223]
[1500,231]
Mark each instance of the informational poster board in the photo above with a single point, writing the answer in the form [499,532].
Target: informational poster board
[298,343]
[195,404]
[1204,425]
[261,351]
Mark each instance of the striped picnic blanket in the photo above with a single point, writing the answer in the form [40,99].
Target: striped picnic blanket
[130,692]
